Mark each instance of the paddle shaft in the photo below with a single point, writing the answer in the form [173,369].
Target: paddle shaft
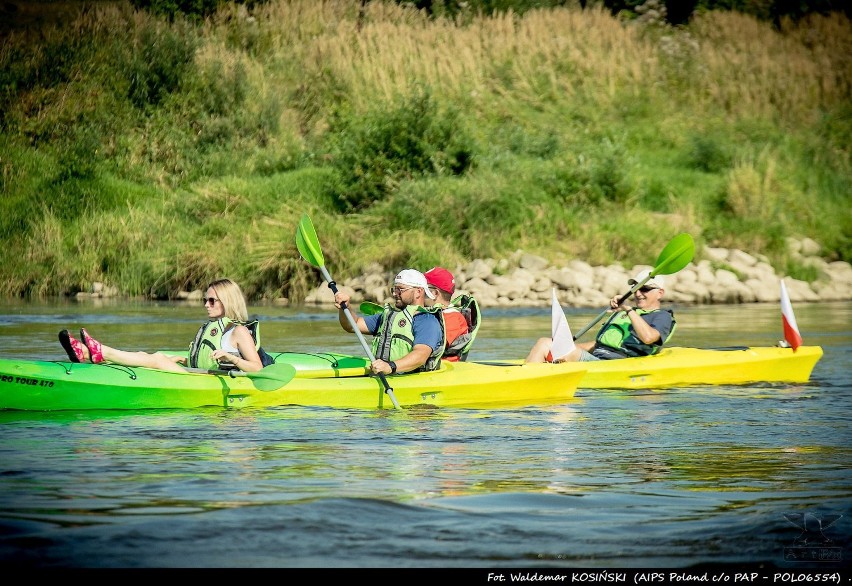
[221,372]
[621,300]
[333,286]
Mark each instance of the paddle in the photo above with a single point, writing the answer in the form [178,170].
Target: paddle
[309,247]
[677,254]
[268,378]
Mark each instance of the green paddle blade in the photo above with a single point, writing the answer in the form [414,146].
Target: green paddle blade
[308,243]
[309,247]
[370,308]
[269,378]
[676,255]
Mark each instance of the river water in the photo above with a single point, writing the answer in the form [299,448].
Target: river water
[680,478]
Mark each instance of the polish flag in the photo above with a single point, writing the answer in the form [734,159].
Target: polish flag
[788,320]
[563,340]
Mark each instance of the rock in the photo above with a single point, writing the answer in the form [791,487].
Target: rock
[581,267]
[542,284]
[764,289]
[571,280]
[799,290]
[738,258]
[532,262]
[839,272]
[725,278]
[705,275]
[323,295]
[809,247]
[716,254]
[794,245]
[478,269]
[526,280]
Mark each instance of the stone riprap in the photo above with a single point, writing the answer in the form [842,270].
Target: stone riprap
[716,276]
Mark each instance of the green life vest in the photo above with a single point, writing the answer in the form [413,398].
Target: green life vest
[617,335]
[469,308]
[395,337]
[209,338]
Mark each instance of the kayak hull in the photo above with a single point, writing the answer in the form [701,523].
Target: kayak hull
[341,381]
[672,367]
[693,366]
[50,386]
[681,366]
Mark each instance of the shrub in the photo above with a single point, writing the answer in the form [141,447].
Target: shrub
[373,153]
[707,153]
[160,63]
[192,9]
[597,176]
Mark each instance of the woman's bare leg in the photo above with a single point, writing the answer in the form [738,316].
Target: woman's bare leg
[125,358]
[156,360]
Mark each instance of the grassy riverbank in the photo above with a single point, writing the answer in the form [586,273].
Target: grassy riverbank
[156,156]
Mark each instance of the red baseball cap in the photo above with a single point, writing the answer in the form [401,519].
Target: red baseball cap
[442,279]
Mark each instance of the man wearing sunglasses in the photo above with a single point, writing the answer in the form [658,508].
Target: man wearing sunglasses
[408,336]
[638,327]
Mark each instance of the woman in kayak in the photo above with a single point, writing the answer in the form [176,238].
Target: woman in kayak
[638,330]
[221,342]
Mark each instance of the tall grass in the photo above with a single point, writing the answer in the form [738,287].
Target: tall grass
[410,140]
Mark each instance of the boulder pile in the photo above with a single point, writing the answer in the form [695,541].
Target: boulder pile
[716,276]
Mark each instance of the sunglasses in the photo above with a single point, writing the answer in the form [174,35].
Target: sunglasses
[400,290]
[646,289]
[209,300]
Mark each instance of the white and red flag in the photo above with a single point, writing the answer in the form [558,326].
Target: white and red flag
[563,340]
[788,320]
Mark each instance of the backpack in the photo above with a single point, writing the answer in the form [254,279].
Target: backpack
[469,308]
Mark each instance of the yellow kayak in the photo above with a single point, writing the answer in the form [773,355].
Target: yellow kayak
[681,366]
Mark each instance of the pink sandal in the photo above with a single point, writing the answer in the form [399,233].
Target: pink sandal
[72,347]
[96,355]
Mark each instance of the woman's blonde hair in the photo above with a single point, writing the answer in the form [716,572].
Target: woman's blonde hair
[232,299]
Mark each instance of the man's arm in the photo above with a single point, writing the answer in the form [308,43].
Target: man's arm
[427,338]
[644,331]
[659,323]
[411,361]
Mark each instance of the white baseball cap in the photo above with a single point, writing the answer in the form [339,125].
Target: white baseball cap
[657,281]
[413,279]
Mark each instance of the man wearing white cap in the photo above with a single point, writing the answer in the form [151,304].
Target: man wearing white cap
[408,336]
[632,330]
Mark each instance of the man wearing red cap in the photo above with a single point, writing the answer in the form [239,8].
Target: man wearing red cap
[442,284]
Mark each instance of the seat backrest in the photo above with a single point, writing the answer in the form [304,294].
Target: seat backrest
[469,308]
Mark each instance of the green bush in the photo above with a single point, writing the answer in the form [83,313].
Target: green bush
[598,176]
[373,153]
[707,153]
[193,9]
[161,61]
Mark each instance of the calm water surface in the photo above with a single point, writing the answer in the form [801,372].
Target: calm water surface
[623,479]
